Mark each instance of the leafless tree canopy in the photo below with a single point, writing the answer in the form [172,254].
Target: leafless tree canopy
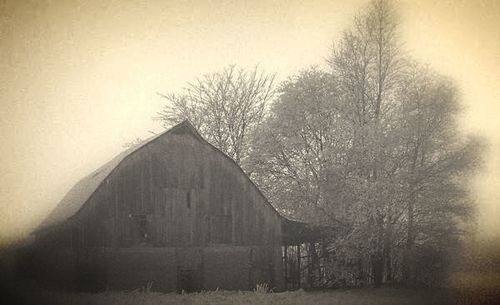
[370,147]
[225,106]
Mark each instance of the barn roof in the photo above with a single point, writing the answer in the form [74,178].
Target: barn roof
[80,193]
[83,189]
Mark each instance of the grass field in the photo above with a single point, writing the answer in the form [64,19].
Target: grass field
[384,296]
[468,289]
[365,296]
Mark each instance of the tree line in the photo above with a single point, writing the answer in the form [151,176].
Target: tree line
[369,147]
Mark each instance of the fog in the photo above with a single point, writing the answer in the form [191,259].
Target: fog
[79,80]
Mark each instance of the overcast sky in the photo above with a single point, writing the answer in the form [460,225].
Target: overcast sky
[80,78]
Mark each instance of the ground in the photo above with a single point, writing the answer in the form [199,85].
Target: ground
[364,296]
[465,289]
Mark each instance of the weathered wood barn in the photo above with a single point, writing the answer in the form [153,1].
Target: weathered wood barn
[173,212]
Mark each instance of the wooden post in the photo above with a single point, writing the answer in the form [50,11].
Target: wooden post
[310,265]
[285,263]
[298,265]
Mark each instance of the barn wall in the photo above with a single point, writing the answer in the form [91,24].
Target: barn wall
[167,269]
[132,268]
[187,193]
[51,267]
[178,192]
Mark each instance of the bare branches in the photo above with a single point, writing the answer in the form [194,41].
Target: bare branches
[369,61]
[373,144]
[225,106]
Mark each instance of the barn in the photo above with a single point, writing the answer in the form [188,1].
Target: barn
[173,213]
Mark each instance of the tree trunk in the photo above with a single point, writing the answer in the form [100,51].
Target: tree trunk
[410,239]
[377,270]
[387,253]
[410,243]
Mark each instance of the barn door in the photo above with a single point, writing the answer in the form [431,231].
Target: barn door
[186,281]
[189,270]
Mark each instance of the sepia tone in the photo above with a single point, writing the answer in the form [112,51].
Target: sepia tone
[296,147]
[161,208]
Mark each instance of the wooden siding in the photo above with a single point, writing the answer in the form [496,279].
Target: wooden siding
[178,208]
[181,192]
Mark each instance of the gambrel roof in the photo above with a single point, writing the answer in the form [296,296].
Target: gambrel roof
[81,192]
[83,189]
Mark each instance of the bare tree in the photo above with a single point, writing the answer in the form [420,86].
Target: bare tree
[438,161]
[372,146]
[368,60]
[225,106]
[368,63]
[292,149]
